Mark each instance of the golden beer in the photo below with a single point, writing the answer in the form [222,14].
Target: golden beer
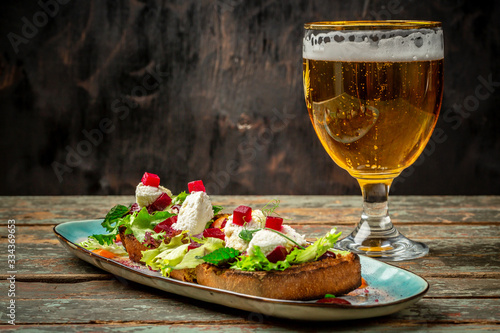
[373,118]
[373,91]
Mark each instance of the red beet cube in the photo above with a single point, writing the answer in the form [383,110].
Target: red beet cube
[278,254]
[150,179]
[214,232]
[193,245]
[327,254]
[160,203]
[166,225]
[134,208]
[274,222]
[242,214]
[196,186]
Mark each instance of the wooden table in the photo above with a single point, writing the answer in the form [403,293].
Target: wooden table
[55,291]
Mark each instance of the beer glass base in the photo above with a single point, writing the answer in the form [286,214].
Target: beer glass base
[396,248]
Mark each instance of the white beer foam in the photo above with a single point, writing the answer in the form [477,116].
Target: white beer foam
[376,45]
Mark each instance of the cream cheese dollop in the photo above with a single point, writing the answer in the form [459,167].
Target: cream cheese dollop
[232,230]
[195,213]
[145,195]
[268,240]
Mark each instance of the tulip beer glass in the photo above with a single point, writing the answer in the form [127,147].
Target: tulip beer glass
[373,91]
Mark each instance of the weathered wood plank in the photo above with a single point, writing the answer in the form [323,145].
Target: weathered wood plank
[236,327]
[43,234]
[118,288]
[301,209]
[185,310]
[39,252]
[467,287]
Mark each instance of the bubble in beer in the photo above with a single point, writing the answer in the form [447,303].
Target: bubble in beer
[345,118]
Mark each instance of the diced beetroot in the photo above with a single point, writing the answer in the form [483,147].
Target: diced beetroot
[196,186]
[135,207]
[166,225]
[274,222]
[334,300]
[176,208]
[327,254]
[242,214]
[160,203]
[214,232]
[278,254]
[193,245]
[150,179]
[223,225]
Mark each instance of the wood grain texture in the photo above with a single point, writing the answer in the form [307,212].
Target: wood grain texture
[170,310]
[213,90]
[330,210]
[58,292]
[245,327]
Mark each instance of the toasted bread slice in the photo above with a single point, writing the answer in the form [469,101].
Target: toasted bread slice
[185,274]
[132,246]
[306,281]
[135,248]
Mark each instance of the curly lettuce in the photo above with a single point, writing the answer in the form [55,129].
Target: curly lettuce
[257,261]
[93,244]
[142,222]
[315,250]
[175,254]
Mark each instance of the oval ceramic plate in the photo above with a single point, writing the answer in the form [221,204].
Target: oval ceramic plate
[390,289]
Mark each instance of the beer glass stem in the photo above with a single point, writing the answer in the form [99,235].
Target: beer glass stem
[375,224]
[376,210]
[375,235]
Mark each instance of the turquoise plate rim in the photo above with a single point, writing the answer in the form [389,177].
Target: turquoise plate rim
[70,245]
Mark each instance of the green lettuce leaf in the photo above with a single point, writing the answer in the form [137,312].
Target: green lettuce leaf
[114,218]
[222,256]
[143,222]
[217,209]
[166,254]
[108,239]
[114,214]
[258,262]
[315,250]
[175,255]
[194,257]
[179,199]
[92,244]
[105,239]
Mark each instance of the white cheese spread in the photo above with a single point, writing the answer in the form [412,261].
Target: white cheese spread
[146,195]
[195,213]
[232,230]
[268,240]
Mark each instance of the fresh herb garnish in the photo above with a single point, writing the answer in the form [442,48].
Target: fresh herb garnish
[112,221]
[179,199]
[114,214]
[247,235]
[217,209]
[282,234]
[257,261]
[221,256]
[271,210]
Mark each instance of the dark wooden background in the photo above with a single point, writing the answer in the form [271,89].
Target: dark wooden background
[213,90]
